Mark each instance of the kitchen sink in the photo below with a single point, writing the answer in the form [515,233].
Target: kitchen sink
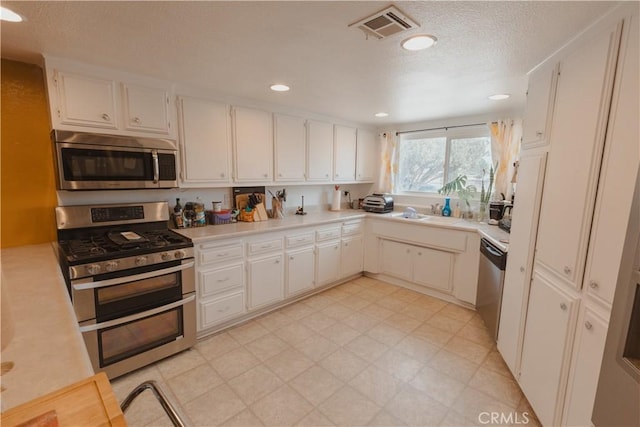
[418,216]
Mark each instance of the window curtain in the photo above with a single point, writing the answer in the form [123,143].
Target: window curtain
[505,149]
[389,163]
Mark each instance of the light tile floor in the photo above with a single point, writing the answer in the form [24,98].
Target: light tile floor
[365,353]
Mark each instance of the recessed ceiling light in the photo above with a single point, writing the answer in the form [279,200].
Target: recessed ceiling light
[499,96]
[419,42]
[279,88]
[381,114]
[9,15]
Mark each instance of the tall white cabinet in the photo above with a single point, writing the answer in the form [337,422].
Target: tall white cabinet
[562,265]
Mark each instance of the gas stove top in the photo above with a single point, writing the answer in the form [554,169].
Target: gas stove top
[99,239]
[117,243]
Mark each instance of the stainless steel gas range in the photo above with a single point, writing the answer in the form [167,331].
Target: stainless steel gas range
[131,282]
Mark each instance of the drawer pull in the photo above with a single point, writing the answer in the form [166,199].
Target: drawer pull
[265,246]
[277,261]
[563,306]
[588,325]
[106,117]
[291,257]
[593,285]
[521,269]
[223,310]
[223,254]
[538,134]
[223,280]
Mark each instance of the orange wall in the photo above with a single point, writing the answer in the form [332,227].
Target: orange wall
[27,180]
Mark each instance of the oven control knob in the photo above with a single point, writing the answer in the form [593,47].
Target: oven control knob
[166,256]
[111,265]
[180,254]
[93,269]
[141,260]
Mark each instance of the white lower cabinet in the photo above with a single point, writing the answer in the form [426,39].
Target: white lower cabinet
[327,262]
[420,265]
[591,334]
[219,282]
[217,310]
[396,259]
[433,268]
[299,271]
[547,347]
[352,257]
[265,284]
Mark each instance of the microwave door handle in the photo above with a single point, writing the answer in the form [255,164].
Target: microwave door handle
[127,279]
[156,166]
[137,316]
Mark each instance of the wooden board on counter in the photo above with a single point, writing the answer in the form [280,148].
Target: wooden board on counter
[89,402]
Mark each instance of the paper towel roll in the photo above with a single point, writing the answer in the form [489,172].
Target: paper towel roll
[335,203]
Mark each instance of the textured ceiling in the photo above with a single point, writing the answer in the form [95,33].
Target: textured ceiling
[239,48]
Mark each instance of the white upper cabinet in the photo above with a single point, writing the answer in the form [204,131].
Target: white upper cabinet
[290,148]
[344,153]
[87,98]
[146,109]
[84,101]
[252,145]
[539,110]
[577,139]
[367,162]
[205,142]
[319,151]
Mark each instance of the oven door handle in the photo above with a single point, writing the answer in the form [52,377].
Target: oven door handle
[137,316]
[127,279]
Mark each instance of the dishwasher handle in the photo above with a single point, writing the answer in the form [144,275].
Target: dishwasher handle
[496,256]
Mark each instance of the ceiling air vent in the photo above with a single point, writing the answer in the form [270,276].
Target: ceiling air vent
[385,23]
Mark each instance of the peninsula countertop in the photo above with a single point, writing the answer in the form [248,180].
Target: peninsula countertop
[45,344]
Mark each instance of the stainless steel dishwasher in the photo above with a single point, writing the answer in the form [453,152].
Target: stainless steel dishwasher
[490,282]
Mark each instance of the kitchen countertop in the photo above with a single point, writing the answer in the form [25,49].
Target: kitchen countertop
[47,348]
[496,235]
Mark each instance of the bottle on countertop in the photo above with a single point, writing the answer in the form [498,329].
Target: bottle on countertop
[177,214]
[456,211]
[446,210]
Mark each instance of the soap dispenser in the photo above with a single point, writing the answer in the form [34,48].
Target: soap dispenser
[446,210]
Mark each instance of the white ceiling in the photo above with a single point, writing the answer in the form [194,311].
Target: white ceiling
[239,48]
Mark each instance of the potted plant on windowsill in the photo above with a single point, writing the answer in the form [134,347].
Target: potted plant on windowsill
[459,186]
[485,196]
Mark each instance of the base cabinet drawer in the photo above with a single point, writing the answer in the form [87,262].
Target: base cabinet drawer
[221,279]
[216,310]
[212,255]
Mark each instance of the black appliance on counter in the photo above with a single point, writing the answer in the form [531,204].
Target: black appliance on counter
[131,282]
[378,203]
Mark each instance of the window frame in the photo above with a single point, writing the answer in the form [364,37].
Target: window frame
[479,131]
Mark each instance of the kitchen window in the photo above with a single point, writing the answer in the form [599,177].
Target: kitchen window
[427,160]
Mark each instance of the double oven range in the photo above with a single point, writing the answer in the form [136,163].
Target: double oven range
[131,282]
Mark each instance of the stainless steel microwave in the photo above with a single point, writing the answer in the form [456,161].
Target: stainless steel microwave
[88,161]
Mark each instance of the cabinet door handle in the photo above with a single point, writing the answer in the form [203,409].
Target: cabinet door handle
[346,244]
[408,250]
[335,247]
[291,258]
[539,134]
[136,120]
[223,280]
[588,325]
[222,175]
[265,175]
[521,269]
[326,175]
[593,284]
[420,253]
[567,270]
[277,261]
[563,306]
[106,117]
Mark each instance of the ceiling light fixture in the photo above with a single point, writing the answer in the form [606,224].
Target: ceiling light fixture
[279,88]
[9,15]
[419,42]
[381,114]
[499,96]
